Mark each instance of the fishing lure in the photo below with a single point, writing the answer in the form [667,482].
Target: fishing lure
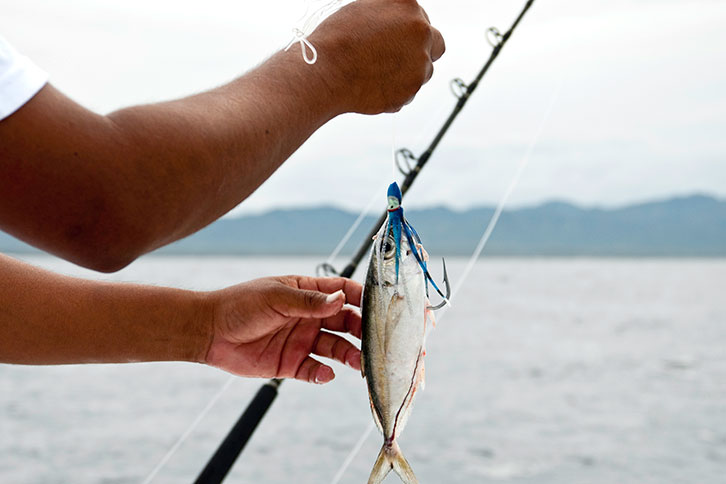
[399,227]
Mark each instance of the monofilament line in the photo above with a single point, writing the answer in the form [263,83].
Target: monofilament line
[174,448]
[364,213]
[353,452]
[523,164]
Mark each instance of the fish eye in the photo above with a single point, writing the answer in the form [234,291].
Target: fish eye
[389,248]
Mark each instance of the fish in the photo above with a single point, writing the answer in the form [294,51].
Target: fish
[395,313]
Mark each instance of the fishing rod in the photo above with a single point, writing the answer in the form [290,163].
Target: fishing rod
[463,92]
[230,449]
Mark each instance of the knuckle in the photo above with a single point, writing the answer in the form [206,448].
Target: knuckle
[310,298]
[422,29]
[339,349]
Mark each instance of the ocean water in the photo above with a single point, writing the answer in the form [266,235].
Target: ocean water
[544,371]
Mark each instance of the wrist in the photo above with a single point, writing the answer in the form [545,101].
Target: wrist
[321,86]
[199,329]
[333,70]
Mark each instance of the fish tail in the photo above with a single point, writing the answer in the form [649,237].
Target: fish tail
[391,457]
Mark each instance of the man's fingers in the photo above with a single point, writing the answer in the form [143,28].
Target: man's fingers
[350,288]
[306,303]
[429,73]
[339,349]
[312,371]
[346,321]
[438,46]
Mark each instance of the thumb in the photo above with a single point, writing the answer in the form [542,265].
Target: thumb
[300,303]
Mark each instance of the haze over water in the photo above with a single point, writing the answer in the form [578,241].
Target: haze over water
[544,371]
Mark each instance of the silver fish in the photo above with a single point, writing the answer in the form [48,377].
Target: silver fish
[394,310]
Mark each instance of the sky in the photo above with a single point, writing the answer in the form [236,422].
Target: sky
[637,90]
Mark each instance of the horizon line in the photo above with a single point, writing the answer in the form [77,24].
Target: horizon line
[513,207]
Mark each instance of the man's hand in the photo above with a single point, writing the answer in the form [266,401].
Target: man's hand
[270,327]
[378,53]
[263,328]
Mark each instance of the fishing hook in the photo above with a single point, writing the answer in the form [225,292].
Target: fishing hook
[445,302]
[406,156]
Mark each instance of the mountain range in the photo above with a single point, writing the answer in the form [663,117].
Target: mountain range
[693,226]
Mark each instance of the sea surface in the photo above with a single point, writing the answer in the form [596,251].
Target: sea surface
[544,371]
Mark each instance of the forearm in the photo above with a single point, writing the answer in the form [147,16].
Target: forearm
[51,319]
[217,147]
[117,186]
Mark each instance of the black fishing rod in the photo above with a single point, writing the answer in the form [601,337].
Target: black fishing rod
[229,450]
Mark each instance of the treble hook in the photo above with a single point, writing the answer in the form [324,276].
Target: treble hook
[445,302]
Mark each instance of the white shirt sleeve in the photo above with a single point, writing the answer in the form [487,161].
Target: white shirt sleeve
[20,79]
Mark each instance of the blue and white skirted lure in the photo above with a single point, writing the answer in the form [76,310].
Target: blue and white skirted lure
[397,227]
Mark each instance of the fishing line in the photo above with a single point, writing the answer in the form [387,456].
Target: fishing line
[183,438]
[353,452]
[312,21]
[364,213]
[367,210]
[327,266]
[523,164]
[394,165]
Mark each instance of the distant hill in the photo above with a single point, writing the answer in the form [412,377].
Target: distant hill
[687,226]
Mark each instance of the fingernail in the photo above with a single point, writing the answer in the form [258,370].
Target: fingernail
[323,375]
[333,297]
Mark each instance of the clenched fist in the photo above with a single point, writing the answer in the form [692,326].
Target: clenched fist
[376,54]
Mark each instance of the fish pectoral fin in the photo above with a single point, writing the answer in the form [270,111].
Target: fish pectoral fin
[429,315]
[391,458]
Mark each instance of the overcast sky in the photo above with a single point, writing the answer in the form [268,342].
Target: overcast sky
[641,112]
